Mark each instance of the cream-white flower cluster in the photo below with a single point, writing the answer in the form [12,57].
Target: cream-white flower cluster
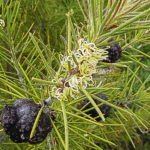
[78,69]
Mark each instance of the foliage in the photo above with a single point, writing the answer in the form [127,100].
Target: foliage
[31,51]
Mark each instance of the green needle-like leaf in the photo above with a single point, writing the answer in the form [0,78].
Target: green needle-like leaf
[93,103]
[36,122]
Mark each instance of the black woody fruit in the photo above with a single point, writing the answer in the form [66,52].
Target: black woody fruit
[18,119]
[114,53]
[92,112]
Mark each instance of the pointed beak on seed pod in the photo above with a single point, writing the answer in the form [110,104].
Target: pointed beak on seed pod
[18,119]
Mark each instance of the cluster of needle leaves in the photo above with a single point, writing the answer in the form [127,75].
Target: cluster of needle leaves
[36,35]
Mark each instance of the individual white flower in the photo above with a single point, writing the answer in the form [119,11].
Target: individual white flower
[84,81]
[73,82]
[81,42]
[86,69]
[2,23]
[66,92]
